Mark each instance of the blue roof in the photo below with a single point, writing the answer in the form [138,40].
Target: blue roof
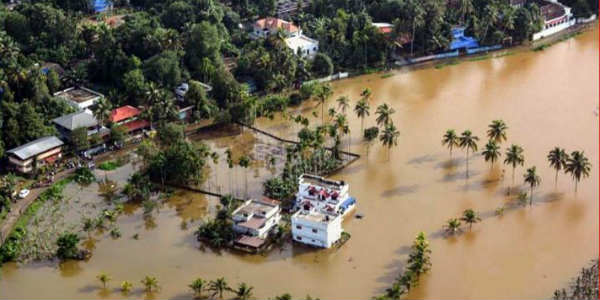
[459,40]
[101,5]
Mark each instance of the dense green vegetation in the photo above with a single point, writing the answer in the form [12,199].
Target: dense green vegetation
[585,286]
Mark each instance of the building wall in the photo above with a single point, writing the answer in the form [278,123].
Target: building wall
[326,234]
[26,166]
[552,30]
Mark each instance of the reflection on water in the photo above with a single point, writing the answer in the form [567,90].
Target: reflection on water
[544,97]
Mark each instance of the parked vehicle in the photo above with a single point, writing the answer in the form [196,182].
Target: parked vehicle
[23,193]
[90,153]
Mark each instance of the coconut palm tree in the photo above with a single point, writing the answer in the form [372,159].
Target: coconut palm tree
[384,113]
[450,140]
[514,157]
[579,166]
[366,95]
[150,283]
[215,159]
[491,152]
[452,226]
[558,161]
[362,111]
[532,178]
[229,159]
[470,217]
[468,141]
[285,296]
[197,286]
[218,286]
[389,137]
[243,292]
[497,131]
[102,111]
[126,286]
[104,279]
[343,103]
[322,94]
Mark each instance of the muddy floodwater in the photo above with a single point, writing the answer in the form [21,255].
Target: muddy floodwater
[547,98]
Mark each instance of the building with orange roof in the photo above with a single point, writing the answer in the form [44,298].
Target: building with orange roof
[128,116]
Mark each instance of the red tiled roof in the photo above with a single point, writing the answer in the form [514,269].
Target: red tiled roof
[137,124]
[275,23]
[123,113]
[250,241]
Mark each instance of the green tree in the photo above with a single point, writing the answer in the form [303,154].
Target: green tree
[118,133]
[578,166]
[102,111]
[79,138]
[244,162]
[470,217]
[450,140]
[514,157]
[53,81]
[343,103]
[322,94]
[197,286]
[243,292]
[491,152]
[196,96]
[164,69]
[285,296]
[497,131]
[389,137]
[468,141]
[452,226]
[104,279]
[218,286]
[322,65]
[558,161]
[126,287]
[532,178]
[362,111]
[384,113]
[67,246]
[177,14]
[150,283]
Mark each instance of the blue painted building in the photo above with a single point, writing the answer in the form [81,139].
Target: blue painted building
[102,5]
[460,41]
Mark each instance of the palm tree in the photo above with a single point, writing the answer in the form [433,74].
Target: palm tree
[450,140]
[285,296]
[469,142]
[362,111]
[104,278]
[322,94]
[514,157]
[497,131]
[532,178]
[366,95]
[452,226]
[126,286]
[491,152]
[384,113]
[579,166]
[150,283]
[229,159]
[343,103]
[470,217]
[102,112]
[389,137]
[215,158]
[245,163]
[218,286]
[558,161]
[244,292]
[198,286]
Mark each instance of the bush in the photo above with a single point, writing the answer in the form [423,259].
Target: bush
[322,65]
[67,246]
[11,248]
[295,99]
[84,176]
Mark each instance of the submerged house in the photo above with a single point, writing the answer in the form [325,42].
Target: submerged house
[322,205]
[254,221]
[557,17]
[294,38]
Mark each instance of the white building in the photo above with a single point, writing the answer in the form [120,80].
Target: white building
[322,205]
[35,154]
[557,17]
[256,218]
[79,98]
[303,45]
[316,227]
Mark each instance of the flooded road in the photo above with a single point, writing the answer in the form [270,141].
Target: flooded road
[547,98]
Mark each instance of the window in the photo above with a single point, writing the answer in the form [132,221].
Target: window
[298,227]
[314,231]
[299,238]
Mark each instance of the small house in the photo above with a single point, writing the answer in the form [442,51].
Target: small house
[35,154]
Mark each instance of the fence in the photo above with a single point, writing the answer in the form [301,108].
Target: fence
[340,75]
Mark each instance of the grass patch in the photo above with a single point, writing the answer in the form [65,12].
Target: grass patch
[53,191]
[113,164]
[387,75]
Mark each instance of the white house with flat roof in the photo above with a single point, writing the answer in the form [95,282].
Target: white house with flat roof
[316,227]
[256,217]
[79,98]
[557,17]
[303,45]
[322,205]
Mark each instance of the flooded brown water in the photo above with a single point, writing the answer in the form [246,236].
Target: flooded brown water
[547,98]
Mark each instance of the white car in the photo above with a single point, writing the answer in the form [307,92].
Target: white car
[23,193]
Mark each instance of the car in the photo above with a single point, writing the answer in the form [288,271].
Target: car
[23,193]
